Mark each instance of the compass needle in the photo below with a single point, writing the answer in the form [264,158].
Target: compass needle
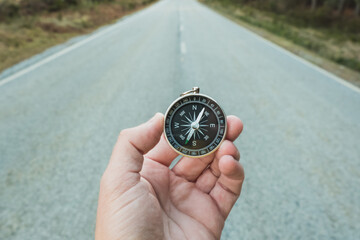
[199,117]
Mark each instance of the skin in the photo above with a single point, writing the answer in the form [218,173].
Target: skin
[141,198]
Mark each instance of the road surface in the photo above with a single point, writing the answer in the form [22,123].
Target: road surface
[61,112]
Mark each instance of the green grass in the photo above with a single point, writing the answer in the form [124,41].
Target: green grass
[342,47]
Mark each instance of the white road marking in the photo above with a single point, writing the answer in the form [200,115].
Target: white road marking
[183,48]
[74,46]
[302,60]
[311,65]
[181,28]
[56,55]
[53,56]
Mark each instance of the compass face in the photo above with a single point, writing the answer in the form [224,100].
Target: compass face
[195,125]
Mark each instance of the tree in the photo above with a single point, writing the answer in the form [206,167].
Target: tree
[313,5]
[357,8]
[341,6]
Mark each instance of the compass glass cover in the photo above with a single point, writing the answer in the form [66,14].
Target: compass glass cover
[195,125]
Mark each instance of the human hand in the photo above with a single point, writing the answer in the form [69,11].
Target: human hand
[141,198]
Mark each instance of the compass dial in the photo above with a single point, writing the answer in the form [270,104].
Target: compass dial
[195,125]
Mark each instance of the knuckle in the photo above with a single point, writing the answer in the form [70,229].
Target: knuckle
[242,172]
[123,134]
[238,155]
[229,148]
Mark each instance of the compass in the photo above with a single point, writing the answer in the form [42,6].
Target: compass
[195,124]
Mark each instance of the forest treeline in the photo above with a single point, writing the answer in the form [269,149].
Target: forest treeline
[335,14]
[15,8]
[331,6]
[329,29]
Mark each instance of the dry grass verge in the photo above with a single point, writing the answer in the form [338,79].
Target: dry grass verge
[338,55]
[24,36]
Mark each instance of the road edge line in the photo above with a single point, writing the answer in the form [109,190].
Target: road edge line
[289,53]
[308,63]
[51,57]
[97,33]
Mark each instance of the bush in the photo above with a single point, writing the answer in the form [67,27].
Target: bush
[349,62]
[29,7]
[8,10]
[36,6]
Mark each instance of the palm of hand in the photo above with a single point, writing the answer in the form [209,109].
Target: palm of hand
[191,201]
[187,212]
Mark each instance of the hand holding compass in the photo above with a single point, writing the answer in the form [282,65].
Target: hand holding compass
[139,192]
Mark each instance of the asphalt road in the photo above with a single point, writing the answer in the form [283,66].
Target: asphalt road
[61,112]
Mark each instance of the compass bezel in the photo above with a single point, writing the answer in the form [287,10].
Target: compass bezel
[218,127]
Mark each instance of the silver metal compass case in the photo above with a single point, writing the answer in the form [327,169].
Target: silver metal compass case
[209,125]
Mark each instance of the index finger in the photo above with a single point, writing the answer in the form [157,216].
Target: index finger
[191,168]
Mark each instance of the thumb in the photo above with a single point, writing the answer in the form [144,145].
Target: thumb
[133,143]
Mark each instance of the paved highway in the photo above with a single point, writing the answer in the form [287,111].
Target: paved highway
[60,114]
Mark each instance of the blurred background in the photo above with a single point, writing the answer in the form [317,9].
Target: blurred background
[73,73]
